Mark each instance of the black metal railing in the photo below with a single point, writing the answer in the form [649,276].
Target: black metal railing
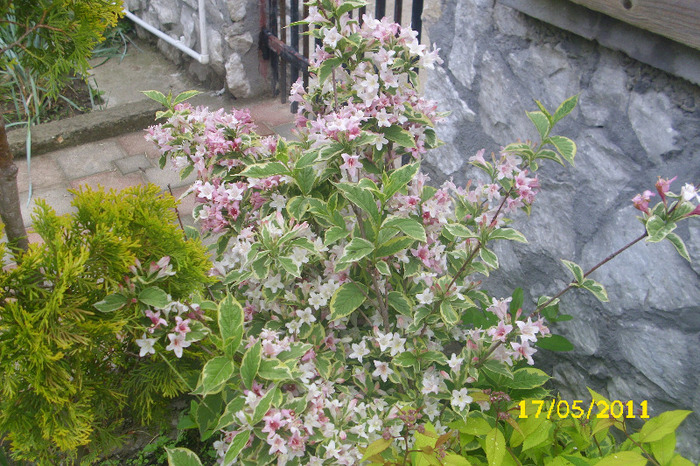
[287,48]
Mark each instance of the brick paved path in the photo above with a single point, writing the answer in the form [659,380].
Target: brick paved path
[119,162]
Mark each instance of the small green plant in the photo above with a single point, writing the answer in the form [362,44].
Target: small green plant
[68,374]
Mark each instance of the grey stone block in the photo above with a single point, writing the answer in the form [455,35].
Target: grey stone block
[88,159]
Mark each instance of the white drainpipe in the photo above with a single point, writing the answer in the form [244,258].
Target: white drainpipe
[203,57]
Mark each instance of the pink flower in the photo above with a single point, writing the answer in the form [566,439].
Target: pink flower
[524,351]
[156,319]
[182,326]
[177,343]
[662,187]
[352,162]
[277,444]
[641,201]
[500,332]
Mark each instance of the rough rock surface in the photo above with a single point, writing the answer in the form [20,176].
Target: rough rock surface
[633,123]
[230,31]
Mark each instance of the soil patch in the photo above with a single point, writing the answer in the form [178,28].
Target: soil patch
[77,98]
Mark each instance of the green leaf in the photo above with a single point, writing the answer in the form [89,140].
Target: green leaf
[307,159]
[497,368]
[541,122]
[230,321]
[274,369]
[154,297]
[551,155]
[408,226]
[376,448]
[527,378]
[356,250]
[565,146]
[575,269]
[250,364]
[662,425]
[596,288]
[495,447]
[623,458]
[508,234]
[400,303]
[400,136]
[157,96]
[327,68]
[489,257]
[111,303]
[383,268]
[405,359]
[461,231]
[305,179]
[658,229]
[236,446]
[400,178]
[182,457]
[263,405]
[448,314]
[393,246]
[263,170]
[333,234]
[564,109]
[362,198]
[664,448]
[346,299]
[542,109]
[539,436]
[215,373]
[555,343]
[184,96]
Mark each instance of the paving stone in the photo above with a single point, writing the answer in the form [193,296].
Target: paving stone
[186,203]
[88,159]
[44,171]
[271,112]
[285,131]
[167,176]
[263,130]
[109,180]
[133,163]
[136,144]
[58,198]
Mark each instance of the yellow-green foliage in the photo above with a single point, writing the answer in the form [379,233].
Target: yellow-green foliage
[67,370]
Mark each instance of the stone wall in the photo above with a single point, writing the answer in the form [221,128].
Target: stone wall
[232,28]
[633,123]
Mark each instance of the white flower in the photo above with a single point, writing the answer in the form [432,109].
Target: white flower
[274,283]
[397,345]
[146,345]
[527,330]
[460,399]
[455,363]
[331,37]
[177,343]
[279,202]
[293,326]
[688,192]
[431,383]
[359,350]
[383,340]
[299,256]
[375,424]
[426,297]
[306,316]
[382,370]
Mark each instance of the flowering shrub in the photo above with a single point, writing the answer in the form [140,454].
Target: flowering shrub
[351,326]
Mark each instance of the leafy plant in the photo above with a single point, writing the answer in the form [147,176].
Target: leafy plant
[68,375]
[351,326]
